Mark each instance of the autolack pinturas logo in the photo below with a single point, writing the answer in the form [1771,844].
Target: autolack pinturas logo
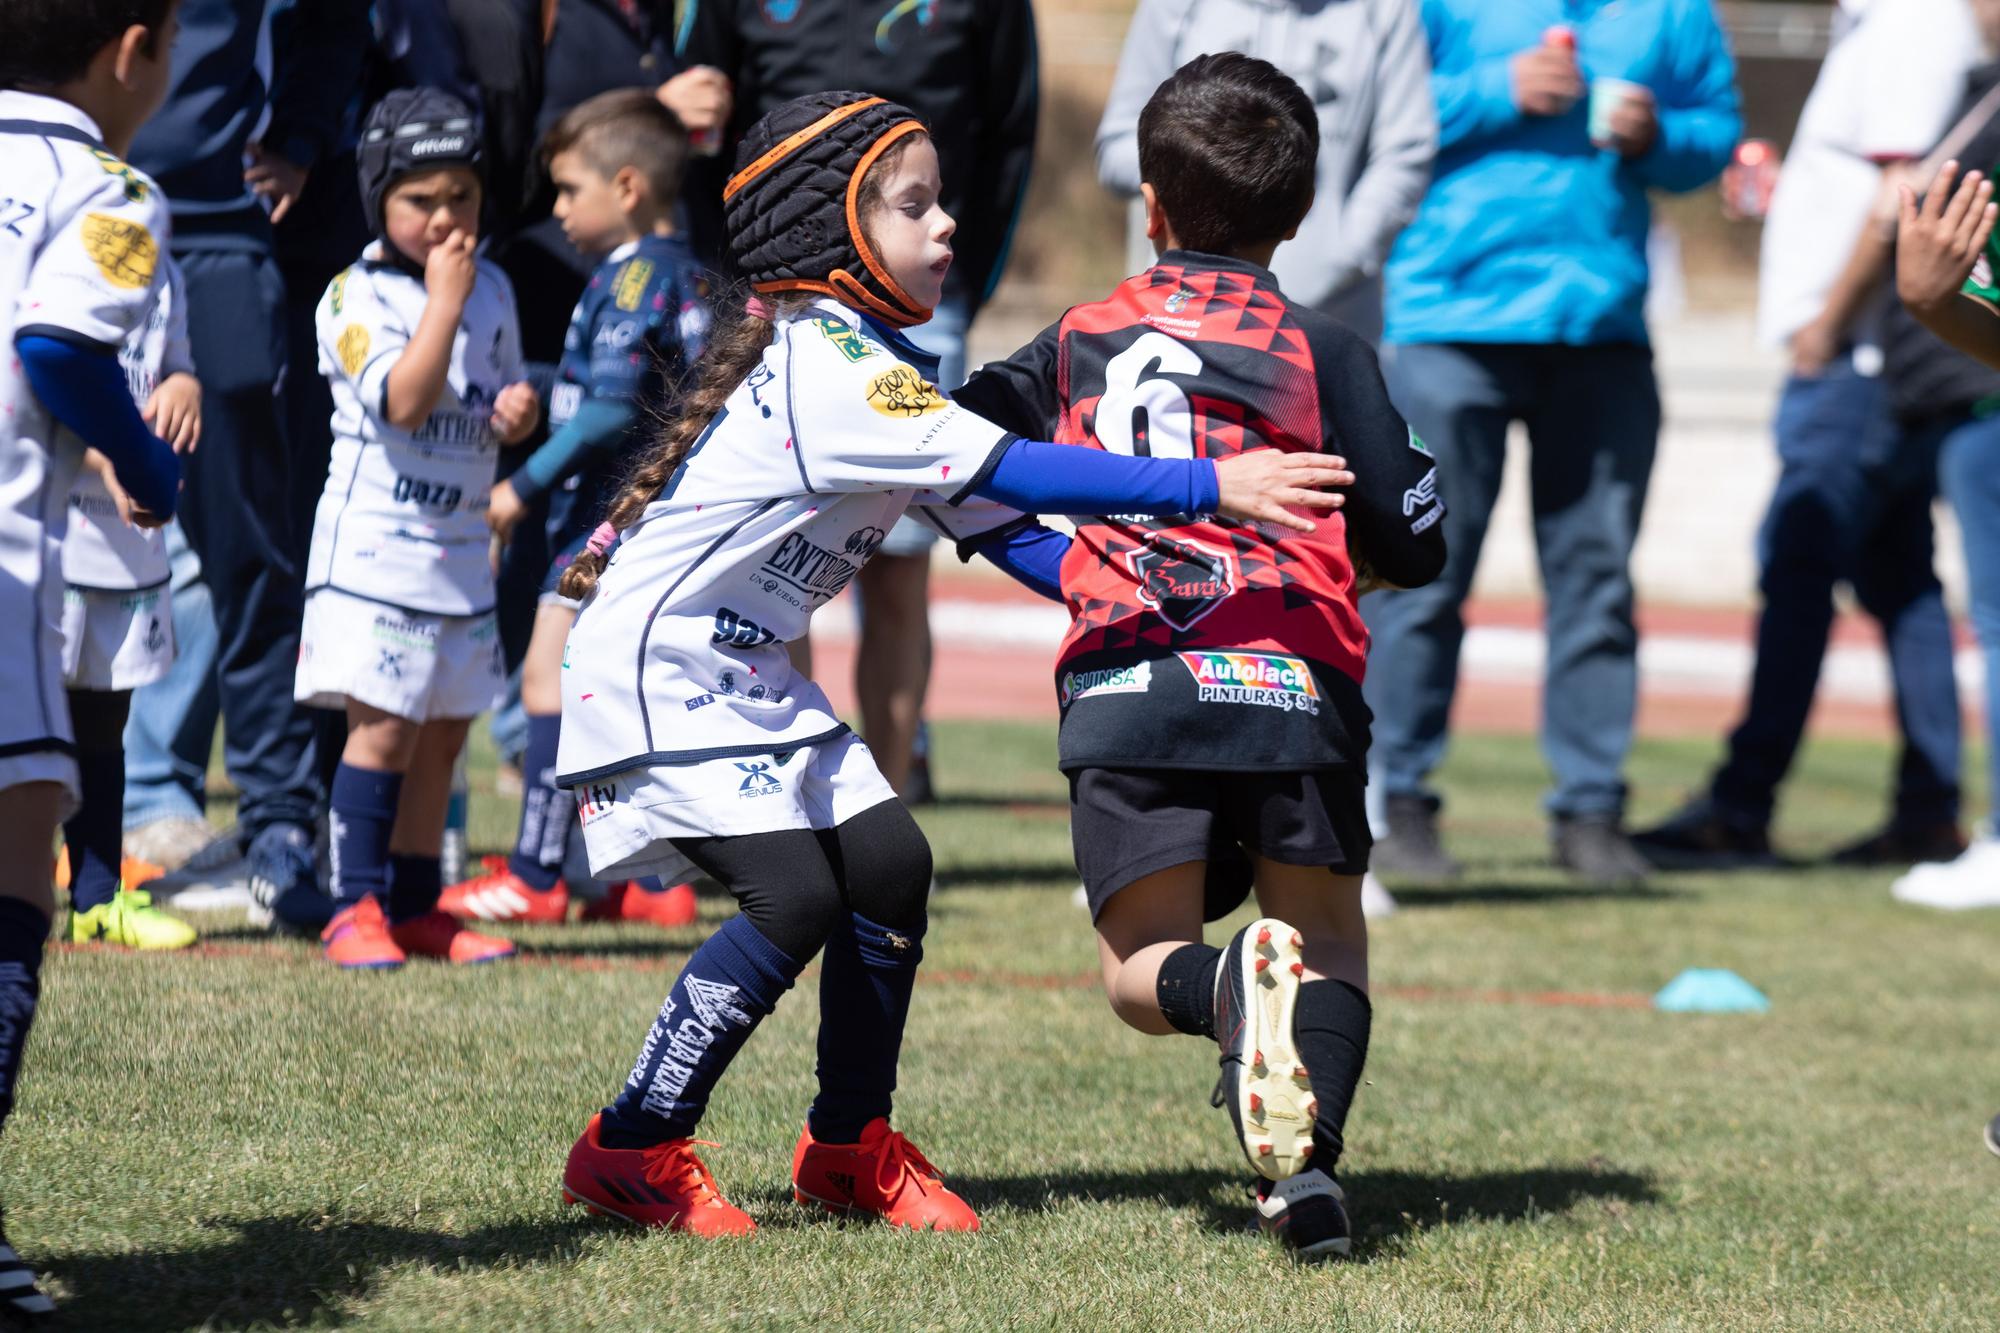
[1266,679]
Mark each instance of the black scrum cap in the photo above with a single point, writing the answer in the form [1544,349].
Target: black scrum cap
[412,130]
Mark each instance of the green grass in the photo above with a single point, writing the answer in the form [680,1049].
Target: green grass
[247,1138]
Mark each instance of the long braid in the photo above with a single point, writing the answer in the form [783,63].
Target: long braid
[734,350]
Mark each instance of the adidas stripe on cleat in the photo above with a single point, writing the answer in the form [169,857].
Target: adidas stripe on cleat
[665,1186]
[501,895]
[1263,1082]
[1307,1212]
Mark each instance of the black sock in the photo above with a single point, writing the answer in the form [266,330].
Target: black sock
[24,929]
[415,885]
[1330,1027]
[95,833]
[1186,989]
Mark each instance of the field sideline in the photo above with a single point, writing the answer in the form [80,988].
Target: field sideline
[246,1138]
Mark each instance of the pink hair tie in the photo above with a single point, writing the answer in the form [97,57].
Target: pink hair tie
[756,309]
[602,540]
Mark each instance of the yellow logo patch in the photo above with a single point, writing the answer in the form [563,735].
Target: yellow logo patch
[902,392]
[632,280]
[353,348]
[124,252]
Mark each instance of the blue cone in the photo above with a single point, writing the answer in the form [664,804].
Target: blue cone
[1710,990]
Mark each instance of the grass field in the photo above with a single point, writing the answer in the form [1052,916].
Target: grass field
[245,1138]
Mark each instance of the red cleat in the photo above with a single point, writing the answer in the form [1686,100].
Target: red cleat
[501,895]
[438,935]
[358,937]
[665,1185]
[669,909]
[883,1175]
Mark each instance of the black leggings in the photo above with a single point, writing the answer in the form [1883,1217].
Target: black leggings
[795,886]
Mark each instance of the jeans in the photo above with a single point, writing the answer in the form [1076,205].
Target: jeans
[1593,418]
[167,741]
[1852,504]
[1969,471]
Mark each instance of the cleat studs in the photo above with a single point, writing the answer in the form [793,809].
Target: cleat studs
[1264,935]
[1257,1059]
[1298,969]
[1262,965]
[1264,1150]
[1305,1151]
[1298,940]
[1299,1073]
[1256,1105]
[1312,1108]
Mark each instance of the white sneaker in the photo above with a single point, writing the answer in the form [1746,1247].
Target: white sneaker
[1376,901]
[1973,880]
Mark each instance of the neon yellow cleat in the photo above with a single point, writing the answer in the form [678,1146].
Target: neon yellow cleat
[130,921]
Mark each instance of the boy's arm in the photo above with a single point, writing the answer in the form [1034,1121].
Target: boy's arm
[1394,512]
[1945,266]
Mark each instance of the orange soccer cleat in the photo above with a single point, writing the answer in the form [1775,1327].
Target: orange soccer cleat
[669,909]
[665,1185]
[358,937]
[884,1175]
[501,895]
[437,934]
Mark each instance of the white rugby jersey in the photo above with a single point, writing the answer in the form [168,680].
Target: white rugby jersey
[82,236]
[403,516]
[101,552]
[679,653]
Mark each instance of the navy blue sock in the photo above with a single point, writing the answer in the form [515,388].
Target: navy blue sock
[362,816]
[415,884]
[865,978]
[547,811]
[95,836]
[24,928]
[734,979]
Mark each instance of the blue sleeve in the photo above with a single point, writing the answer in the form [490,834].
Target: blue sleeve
[85,389]
[589,437]
[1036,477]
[1031,554]
[1475,98]
[1700,116]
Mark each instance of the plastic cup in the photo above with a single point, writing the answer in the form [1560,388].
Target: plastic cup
[1606,96]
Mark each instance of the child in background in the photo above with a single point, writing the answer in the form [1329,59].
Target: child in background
[80,248]
[617,161]
[420,342]
[118,633]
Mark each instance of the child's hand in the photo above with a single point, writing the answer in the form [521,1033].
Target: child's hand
[515,412]
[1264,485]
[174,412]
[450,271]
[1937,244]
[504,508]
[127,511]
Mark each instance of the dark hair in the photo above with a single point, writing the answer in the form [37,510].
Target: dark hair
[624,128]
[44,43]
[1229,144]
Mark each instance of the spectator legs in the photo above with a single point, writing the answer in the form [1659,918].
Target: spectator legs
[1969,470]
[172,725]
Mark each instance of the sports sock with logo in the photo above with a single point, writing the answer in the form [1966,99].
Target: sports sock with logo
[1330,1027]
[866,975]
[415,883]
[24,928]
[734,979]
[1186,989]
[362,815]
[95,835]
[547,811]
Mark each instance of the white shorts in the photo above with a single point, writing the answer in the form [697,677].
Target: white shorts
[410,663]
[35,736]
[116,640]
[629,819]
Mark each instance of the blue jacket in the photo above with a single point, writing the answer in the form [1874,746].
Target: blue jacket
[1529,233]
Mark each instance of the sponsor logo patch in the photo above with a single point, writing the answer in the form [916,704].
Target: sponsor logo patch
[1266,679]
[631,286]
[849,340]
[595,800]
[136,189]
[1178,301]
[353,349]
[1418,444]
[757,780]
[1076,685]
[124,252]
[700,701]
[1421,495]
[904,394]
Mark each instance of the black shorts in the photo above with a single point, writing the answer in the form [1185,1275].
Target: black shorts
[1128,823]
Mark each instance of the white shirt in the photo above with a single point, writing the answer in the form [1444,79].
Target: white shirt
[403,517]
[83,245]
[101,551]
[1885,93]
[679,653]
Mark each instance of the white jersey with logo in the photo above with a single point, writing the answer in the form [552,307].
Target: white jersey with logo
[679,654]
[82,236]
[403,517]
[102,552]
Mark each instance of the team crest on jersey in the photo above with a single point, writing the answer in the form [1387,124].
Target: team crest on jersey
[136,189]
[1181,581]
[632,280]
[1268,680]
[1178,301]
[353,349]
[848,340]
[903,393]
[124,252]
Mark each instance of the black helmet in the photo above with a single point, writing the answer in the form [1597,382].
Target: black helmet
[794,220]
[412,130]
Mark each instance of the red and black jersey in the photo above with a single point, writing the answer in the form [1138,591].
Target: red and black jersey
[1200,642]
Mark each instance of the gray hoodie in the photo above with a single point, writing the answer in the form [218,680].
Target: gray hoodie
[1366,66]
